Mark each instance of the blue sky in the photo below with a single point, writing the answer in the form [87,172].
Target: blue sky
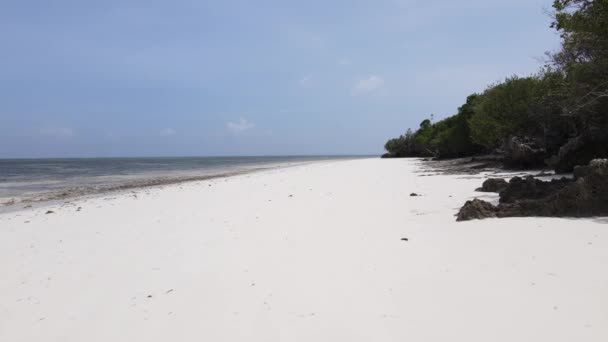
[235,77]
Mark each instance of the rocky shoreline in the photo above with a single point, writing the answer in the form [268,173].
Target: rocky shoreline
[584,195]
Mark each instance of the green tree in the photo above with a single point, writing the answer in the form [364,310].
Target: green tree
[454,136]
[583,59]
[506,109]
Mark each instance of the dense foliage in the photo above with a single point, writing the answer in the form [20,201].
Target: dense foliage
[506,109]
[563,108]
[583,25]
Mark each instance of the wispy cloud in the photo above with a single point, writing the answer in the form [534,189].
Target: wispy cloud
[56,132]
[344,62]
[369,84]
[306,81]
[167,132]
[240,126]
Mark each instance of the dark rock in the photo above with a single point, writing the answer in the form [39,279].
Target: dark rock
[388,155]
[49,212]
[580,171]
[497,158]
[459,166]
[530,188]
[587,196]
[493,185]
[523,153]
[413,194]
[476,210]
[581,150]
[404,239]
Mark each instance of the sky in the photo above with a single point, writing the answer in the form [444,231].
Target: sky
[127,78]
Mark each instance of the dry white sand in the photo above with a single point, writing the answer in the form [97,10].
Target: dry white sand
[309,253]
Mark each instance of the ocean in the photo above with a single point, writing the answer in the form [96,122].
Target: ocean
[35,180]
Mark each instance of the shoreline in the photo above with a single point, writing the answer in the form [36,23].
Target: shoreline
[43,199]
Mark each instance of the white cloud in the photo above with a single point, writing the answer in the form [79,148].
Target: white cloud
[240,126]
[167,132]
[306,81]
[56,132]
[369,84]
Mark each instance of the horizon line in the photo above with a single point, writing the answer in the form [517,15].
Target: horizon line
[199,156]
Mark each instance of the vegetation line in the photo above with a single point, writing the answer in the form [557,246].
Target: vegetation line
[557,117]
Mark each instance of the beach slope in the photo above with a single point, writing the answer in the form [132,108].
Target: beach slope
[328,251]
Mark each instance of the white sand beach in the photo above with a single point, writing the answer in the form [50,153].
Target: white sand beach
[306,253]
